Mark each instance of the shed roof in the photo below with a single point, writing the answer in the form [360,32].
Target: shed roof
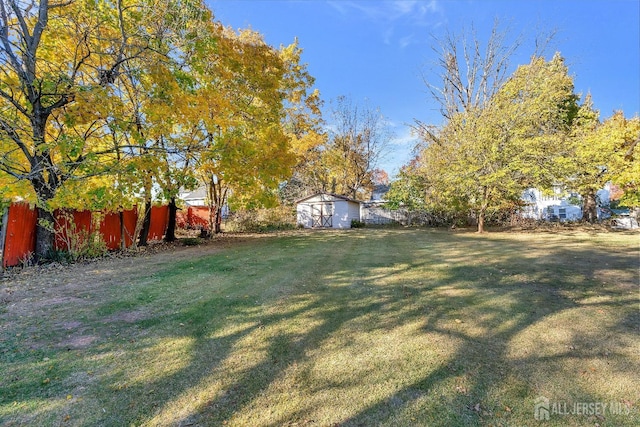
[337,196]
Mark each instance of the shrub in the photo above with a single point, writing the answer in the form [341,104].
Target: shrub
[80,244]
[191,241]
[262,220]
[357,224]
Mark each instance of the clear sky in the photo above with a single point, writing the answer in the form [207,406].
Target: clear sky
[379,51]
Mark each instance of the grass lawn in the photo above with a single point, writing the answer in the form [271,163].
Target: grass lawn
[368,327]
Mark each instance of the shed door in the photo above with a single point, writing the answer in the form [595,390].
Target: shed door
[321,214]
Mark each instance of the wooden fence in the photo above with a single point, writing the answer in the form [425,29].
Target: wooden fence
[18,232]
[195,217]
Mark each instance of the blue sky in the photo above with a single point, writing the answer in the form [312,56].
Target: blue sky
[378,51]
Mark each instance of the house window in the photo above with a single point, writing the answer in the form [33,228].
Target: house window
[562,213]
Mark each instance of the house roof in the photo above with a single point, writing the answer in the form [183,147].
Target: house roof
[198,193]
[379,191]
[337,196]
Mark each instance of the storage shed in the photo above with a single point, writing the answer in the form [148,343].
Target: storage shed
[327,210]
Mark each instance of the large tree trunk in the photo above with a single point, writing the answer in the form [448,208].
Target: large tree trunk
[590,207]
[146,224]
[218,220]
[146,221]
[217,198]
[211,188]
[45,235]
[170,235]
[45,190]
[482,212]
[481,216]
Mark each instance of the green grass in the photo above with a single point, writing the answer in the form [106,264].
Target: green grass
[369,327]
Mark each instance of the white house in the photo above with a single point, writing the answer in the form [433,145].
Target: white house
[326,210]
[197,197]
[550,207]
[556,206]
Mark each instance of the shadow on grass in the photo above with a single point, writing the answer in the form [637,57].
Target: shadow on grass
[483,292]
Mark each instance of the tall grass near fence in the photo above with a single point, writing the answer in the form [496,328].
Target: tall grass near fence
[78,234]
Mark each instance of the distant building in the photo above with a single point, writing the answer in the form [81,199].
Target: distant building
[557,206]
[197,197]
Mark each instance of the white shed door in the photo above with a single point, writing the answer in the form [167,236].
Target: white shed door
[322,214]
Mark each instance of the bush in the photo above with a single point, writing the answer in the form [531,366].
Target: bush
[80,243]
[191,241]
[357,224]
[262,220]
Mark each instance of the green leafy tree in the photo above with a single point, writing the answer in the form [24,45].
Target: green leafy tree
[625,167]
[482,159]
[248,150]
[601,153]
[407,190]
[59,61]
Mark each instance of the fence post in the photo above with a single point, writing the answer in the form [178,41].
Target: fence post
[3,233]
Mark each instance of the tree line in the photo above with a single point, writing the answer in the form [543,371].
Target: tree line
[503,134]
[109,103]
[106,104]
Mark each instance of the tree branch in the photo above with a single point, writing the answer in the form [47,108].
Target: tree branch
[10,131]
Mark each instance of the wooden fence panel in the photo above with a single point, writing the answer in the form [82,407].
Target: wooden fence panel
[20,239]
[159,221]
[20,229]
[110,228]
[130,219]
[71,227]
[198,217]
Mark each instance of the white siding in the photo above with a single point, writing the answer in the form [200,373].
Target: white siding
[354,212]
[303,214]
[341,211]
[341,214]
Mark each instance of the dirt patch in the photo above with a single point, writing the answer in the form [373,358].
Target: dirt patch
[127,317]
[51,291]
[78,342]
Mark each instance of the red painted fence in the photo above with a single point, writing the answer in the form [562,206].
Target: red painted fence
[20,235]
[110,228]
[20,238]
[71,225]
[194,218]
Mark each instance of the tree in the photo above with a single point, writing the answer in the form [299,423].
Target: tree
[408,189]
[467,76]
[357,140]
[303,124]
[482,159]
[56,58]
[585,163]
[600,153]
[625,167]
[248,150]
